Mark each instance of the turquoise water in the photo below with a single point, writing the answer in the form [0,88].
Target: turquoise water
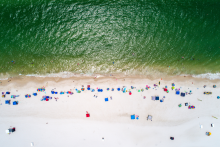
[140,37]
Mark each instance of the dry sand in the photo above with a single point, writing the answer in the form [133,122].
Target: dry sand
[64,122]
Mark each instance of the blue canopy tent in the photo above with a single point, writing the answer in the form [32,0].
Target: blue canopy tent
[7,102]
[183,94]
[157,98]
[106,99]
[132,116]
[177,92]
[15,103]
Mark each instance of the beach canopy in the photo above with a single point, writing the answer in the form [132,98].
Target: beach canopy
[132,116]
[106,99]
[153,98]
[149,117]
[15,103]
[7,102]
[157,98]
[177,92]
[183,94]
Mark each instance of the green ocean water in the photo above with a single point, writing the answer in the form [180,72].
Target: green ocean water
[133,37]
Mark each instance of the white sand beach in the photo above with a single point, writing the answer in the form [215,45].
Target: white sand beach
[64,123]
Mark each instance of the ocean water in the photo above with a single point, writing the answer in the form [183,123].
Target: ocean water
[152,37]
